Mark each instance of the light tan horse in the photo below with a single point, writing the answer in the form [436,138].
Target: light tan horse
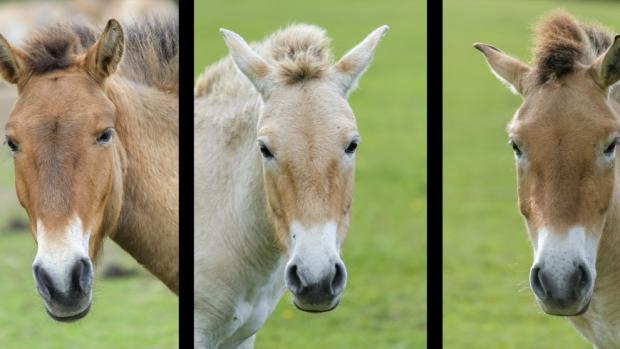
[274,169]
[564,137]
[94,136]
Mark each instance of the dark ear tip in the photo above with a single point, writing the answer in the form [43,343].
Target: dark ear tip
[113,24]
[483,47]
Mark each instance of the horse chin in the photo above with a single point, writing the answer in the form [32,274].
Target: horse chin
[69,318]
[565,312]
[310,308]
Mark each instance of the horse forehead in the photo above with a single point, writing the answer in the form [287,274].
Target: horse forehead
[61,91]
[60,104]
[561,114]
[308,128]
[310,101]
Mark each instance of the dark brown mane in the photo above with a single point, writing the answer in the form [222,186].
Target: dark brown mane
[562,44]
[150,57]
[53,47]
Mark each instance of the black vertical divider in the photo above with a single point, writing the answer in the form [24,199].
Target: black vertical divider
[186,173]
[434,172]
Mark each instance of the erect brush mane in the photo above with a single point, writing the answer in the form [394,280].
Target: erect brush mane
[299,52]
[562,44]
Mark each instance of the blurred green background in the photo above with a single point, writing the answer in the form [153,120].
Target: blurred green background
[129,312]
[384,305]
[487,255]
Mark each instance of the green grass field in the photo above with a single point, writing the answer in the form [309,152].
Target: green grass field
[135,312]
[487,256]
[384,305]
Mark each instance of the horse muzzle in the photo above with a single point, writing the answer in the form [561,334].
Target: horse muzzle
[316,294]
[562,291]
[66,292]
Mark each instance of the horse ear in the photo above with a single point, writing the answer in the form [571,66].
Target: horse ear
[12,62]
[348,70]
[507,69]
[606,68]
[104,56]
[253,66]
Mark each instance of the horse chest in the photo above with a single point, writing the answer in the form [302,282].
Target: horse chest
[252,308]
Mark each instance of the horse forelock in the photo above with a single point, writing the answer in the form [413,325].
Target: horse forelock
[150,57]
[299,52]
[563,44]
[54,47]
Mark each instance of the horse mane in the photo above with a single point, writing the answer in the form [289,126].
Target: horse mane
[563,43]
[299,52]
[150,56]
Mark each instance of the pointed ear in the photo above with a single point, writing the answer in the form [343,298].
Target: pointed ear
[606,68]
[249,62]
[507,69]
[104,56]
[12,62]
[347,71]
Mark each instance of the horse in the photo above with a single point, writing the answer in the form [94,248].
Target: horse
[275,143]
[564,137]
[94,137]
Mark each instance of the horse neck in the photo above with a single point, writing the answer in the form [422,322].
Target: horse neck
[608,255]
[230,181]
[147,125]
[261,247]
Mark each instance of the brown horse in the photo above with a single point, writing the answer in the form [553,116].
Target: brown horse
[564,137]
[94,135]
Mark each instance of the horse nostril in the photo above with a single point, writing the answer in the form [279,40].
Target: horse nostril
[339,279]
[293,280]
[44,282]
[81,275]
[582,278]
[536,280]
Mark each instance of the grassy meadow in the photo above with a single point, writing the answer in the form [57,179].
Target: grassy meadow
[487,256]
[384,305]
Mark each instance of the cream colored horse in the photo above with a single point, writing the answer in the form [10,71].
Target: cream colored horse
[274,168]
[564,137]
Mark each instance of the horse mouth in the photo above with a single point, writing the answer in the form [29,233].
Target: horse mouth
[579,312]
[314,309]
[70,318]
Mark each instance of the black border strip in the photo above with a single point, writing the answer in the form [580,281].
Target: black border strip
[434,153]
[186,174]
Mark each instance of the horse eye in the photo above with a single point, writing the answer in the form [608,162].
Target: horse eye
[611,147]
[14,148]
[105,136]
[265,151]
[515,148]
[351,148]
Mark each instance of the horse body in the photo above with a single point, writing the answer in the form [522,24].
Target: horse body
[260,123]
[564,137]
